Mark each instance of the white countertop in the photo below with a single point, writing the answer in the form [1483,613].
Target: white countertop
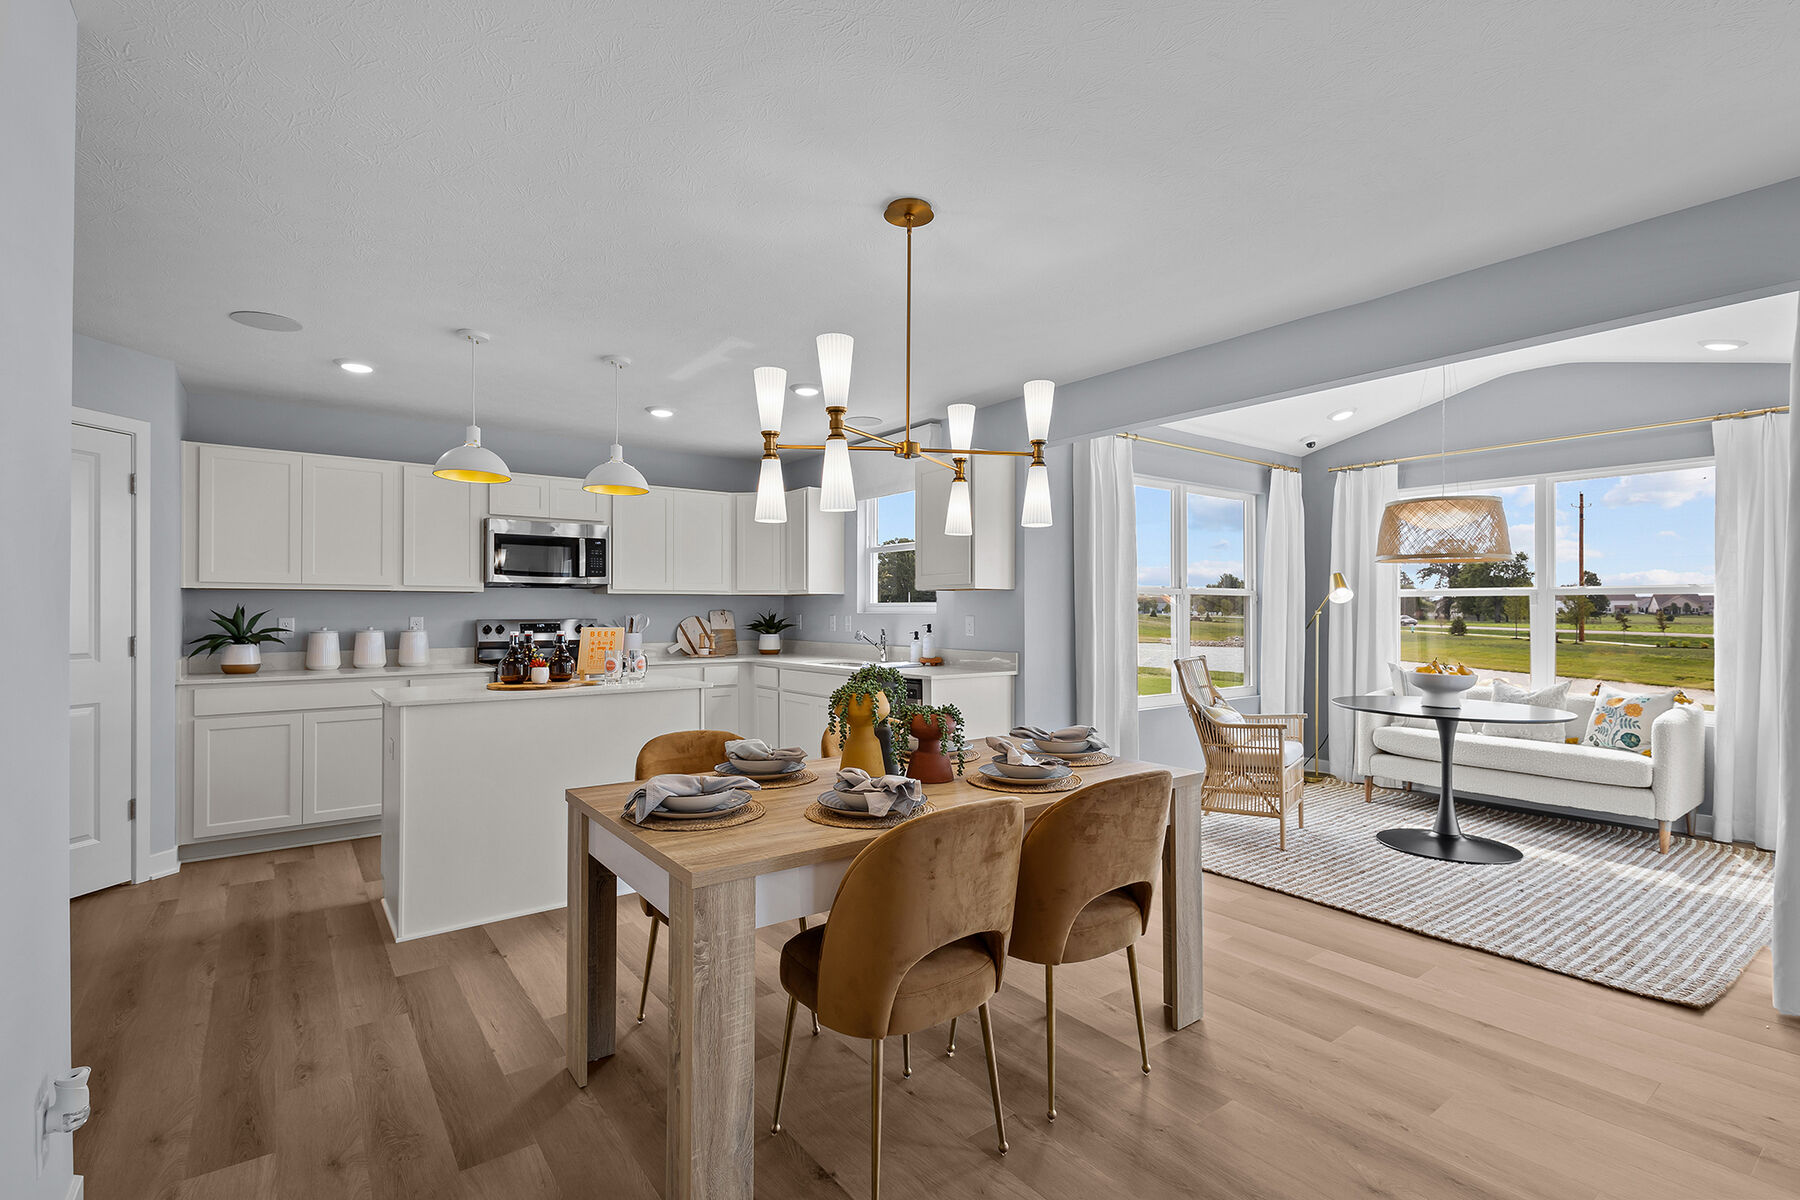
[965,666]
[374,675]
[479,693]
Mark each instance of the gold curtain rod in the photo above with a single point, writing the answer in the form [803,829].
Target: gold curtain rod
[1255,462]
[1569,437]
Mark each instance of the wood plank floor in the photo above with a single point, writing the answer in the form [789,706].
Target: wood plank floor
[254,1033]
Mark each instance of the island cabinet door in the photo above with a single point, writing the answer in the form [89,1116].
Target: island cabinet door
[340,774]
[802,721]
[246,773]
[765,715]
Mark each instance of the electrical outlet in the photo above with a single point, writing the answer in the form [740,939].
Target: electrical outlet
[969,626]
[799,620]
[285,623]
[833,622]
[415,623]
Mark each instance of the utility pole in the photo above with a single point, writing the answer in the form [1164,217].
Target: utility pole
[1581,563]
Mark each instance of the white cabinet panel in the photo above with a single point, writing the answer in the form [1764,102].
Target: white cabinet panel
[761,552]
[246,773]
[639,542]
[340,765]
[802,721]
[522,496]
[248,505]
[983,561]
[719,707]
[700,537]
[440,531]
[814,546]
[569,501]
[765,715]
[350,522]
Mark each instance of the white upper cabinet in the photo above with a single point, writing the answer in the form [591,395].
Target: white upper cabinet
[979,562]
[350,522]
[569,501]
[522,496]
[638,549]
[702,528]
[440,534]
[761,552]
[248,505]
[814,546]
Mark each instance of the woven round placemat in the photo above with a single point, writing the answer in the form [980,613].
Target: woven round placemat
[1098,758]
[776,782]
[1067,783]
[742,816]
[818,814]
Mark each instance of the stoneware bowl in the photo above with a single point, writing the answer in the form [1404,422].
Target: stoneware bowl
[1078,746]
[723,801]
[762,766]
[1442,691]
[1026,771]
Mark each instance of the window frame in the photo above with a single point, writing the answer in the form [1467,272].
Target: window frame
[868,561]
[1544,593]
[1181,595]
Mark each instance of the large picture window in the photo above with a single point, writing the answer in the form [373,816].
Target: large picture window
[1196,585]
[1626,596]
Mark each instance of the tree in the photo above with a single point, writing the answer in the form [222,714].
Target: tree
[1622,618]
[1518,608]
[894,578]
[1458,626]
[1513,572]
[1228,605]
[1662,619]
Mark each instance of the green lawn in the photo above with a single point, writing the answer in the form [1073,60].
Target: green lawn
[1219,629]
[1647,663]
[1156,681]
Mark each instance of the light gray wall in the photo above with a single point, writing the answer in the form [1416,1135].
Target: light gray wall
[127,383]
[37,238]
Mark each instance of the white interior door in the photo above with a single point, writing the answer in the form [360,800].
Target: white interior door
[100,664]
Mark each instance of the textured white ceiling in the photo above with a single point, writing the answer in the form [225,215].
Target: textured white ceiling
[1766,327]
[698,185]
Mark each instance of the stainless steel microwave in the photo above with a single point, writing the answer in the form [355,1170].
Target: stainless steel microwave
[545,553]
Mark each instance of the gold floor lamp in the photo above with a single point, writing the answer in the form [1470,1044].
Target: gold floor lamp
[1340,593]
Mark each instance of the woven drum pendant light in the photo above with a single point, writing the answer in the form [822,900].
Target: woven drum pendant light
[1444,528]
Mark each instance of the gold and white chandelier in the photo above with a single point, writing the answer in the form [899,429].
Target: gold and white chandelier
[838,485]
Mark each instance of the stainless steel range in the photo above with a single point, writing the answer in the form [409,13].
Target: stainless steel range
[494,634]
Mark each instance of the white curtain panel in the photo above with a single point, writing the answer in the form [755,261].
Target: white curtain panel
[1105,522]
[1787,749]
[1364,635]
[1752,514]
[1282,631]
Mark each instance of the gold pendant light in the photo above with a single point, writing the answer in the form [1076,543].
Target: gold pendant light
[1444,528]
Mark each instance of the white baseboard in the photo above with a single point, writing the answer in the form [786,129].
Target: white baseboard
[77,1188]
[281,839]
[161,863]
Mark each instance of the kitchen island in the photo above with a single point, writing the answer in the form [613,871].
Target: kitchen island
[473,823]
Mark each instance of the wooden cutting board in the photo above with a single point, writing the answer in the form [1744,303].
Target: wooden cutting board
[724,630]
[693,634]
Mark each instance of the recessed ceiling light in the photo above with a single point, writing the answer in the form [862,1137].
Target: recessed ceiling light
[863,421]
[1343,414]
[804,389]
[273,322]
[659,412]
[1722,345]
[355,368]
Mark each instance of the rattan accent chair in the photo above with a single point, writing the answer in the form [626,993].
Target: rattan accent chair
[1255,765]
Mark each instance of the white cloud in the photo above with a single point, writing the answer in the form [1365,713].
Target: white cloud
[1669,533]
[1662,580]
[1665,489]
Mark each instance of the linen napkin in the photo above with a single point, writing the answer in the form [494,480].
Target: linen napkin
[1009,751]
[1073,733]
[881,794]
[658,788]
[757,750]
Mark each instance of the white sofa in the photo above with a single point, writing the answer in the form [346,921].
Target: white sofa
[1667,784]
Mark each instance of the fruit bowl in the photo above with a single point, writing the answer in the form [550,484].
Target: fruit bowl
[1443,690]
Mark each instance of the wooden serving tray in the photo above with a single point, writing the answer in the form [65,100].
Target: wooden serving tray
[540,687]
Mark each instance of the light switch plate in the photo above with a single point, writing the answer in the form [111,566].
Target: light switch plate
[969,626]
[286,623]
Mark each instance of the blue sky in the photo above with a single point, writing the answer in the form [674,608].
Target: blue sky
[894,517]
[1215,537]
[1647,532]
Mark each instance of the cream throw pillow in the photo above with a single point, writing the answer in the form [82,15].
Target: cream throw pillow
[1554,696]
[1622,719]
[1223,714]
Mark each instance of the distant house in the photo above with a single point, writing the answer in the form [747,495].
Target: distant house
[1683,604]
[1623,604]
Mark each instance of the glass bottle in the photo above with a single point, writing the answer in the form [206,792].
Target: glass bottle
[515,667]
[562,663]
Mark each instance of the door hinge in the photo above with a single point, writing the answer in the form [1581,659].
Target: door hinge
[131,809]
[133,488]
[131,647]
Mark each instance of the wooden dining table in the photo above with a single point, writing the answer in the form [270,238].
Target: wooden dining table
[718,887]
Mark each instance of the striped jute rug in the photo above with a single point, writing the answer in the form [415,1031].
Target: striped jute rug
[1593,901]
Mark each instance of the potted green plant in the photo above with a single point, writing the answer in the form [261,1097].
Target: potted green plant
[938,731]
[869,698]
[238,641]
[768,628]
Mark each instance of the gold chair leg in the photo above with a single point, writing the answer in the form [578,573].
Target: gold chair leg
[1137,1002]
[987,1041]
[875,1119]
[649,960]
[1050,1038]
[950,1050]
[787,1042]
[906,1056]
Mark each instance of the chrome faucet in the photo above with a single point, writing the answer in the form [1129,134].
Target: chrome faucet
[881,645]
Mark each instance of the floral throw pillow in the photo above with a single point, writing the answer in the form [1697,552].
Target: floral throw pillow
[1621,719]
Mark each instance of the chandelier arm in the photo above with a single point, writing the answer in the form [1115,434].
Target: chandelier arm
[874,437]
[796,446]
[990,453]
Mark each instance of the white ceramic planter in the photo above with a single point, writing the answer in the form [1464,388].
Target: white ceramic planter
[540,674]
[240,660]
[768,643]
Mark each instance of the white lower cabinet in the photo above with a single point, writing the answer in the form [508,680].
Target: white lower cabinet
[765,715]
[247,773]
[340,771]
[802,721]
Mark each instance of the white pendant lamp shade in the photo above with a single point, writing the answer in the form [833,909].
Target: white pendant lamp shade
[771,389]
[837,487]
[1448,529]
[471,462]
[834,367]
[1039,395]
[616,477]
[1036,512]
[962,425]
[959,518]
[771,498]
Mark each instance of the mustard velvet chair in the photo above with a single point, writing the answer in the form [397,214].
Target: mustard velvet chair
[686,752]
[1255,765]
[918,933]
[1087,875]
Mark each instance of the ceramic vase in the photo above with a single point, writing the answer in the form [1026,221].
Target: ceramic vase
[861,747]
[241,659]
[768,643]
[929,763]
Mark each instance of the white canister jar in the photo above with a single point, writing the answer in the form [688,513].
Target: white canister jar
[370,651]
[322,652]
[415,650]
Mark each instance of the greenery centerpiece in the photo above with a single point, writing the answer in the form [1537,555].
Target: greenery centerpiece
[240,638]
[863,702]
[768,628]
[932,726]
